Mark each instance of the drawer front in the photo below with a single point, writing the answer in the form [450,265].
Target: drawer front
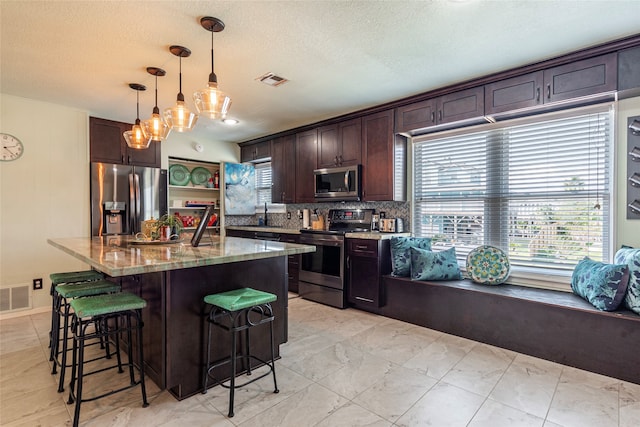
[363,247]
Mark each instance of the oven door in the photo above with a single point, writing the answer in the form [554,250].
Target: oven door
[325,266]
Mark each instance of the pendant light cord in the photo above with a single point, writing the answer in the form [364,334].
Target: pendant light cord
[180,95]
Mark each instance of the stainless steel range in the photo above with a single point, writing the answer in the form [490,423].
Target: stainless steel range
[322,275]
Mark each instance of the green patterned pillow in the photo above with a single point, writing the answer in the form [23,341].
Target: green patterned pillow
[400,255]
[603,285]
[631,257]
[427,265]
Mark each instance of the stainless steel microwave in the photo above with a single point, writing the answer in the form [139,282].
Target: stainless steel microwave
[338,184]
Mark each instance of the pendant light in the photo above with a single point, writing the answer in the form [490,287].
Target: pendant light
[211,101]
[178,117]
[155,128]
[136,137]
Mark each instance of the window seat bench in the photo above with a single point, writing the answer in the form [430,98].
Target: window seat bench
[551,325]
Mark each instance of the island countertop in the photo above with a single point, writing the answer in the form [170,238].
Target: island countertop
[123,255]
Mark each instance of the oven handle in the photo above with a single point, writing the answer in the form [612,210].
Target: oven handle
[321,241]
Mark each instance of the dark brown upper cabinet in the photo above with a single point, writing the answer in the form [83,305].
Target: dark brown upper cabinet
[629,70]
[514,93]
[453,107]
[378,157]
[255,152]
[340,144]
[107,145]
[306,162]
[581,78]
[283,169]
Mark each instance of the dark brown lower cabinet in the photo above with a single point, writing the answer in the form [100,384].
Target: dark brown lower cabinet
[367,261]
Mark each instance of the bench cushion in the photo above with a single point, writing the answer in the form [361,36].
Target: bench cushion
[603,285]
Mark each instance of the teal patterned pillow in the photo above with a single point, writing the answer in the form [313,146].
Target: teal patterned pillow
[631,257]
[427,265]
[400,255]
[603,285]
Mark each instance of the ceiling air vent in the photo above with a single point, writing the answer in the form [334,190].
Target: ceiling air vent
[272,80]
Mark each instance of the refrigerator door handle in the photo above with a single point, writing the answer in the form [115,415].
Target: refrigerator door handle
[136,178]
[132,204]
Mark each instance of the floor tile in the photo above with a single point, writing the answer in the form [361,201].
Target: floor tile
[495,414]
[528,385]
[351,415]
[481,369]
[437,358]
[444,406]
[629,404]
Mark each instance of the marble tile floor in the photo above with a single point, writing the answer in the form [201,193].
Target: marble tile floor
[339,368]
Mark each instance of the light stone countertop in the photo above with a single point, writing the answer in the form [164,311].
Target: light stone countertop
[121,256]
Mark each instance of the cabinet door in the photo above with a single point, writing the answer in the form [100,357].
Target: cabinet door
[377,156]
[106,143]
[581,78]
[328,152]
[514,93]
[350,142]
[364,281]
[283,166]
[246,153]
[461,105]
[147,157]
[416,116]
[629,69]
[306,162]
[293,262]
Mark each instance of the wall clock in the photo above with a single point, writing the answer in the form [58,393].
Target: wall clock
[12,147]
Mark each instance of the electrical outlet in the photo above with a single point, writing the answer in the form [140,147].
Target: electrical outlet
[37,284]
[383,214]
[288,215]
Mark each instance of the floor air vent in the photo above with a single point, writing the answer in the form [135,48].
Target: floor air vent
[14,298]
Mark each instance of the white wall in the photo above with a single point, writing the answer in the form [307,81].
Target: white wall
[45,193]
[627,231]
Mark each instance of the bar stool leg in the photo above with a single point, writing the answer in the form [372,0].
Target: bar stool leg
[273,359]
[65,336]
[232,385]
[205,379]
[141,359]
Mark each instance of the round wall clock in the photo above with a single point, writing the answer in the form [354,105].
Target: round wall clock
[12,147]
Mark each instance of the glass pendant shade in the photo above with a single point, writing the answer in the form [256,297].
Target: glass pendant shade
[212,102]
[136,137]
[178,117]
[155,127]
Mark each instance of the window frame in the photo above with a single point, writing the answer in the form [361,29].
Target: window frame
[536,276]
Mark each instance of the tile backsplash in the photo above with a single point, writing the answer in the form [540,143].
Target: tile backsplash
[391,210]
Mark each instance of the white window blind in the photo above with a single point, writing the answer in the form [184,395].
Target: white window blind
[537,188]
[263,183]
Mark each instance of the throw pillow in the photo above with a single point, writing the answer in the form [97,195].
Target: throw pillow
[400,255]
[603,285]
[631,257]
[427,265]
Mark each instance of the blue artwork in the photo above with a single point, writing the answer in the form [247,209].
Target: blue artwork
[239,189]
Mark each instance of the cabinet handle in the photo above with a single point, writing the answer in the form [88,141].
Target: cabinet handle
[433,117]
[440,115]
[282,197]
[549,91]
[538,94]
[129,160]
[364,299]
[361,247]
[348,261]
[340,159]
[122,161]
[335,160]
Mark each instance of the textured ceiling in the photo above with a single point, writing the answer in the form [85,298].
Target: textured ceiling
[339,56]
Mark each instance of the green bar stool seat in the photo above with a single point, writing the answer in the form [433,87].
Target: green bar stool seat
[63,294]
[236,311]
[114,313]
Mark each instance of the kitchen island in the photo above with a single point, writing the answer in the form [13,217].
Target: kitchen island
[173,279]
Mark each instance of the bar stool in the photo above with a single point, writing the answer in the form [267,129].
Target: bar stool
[232,311]
[113,312]
[59,279]
[64,295]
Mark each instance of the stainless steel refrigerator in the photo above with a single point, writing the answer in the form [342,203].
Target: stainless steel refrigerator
[123,196]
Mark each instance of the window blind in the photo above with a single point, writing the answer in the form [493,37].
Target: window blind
[537,188]
[263,183]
